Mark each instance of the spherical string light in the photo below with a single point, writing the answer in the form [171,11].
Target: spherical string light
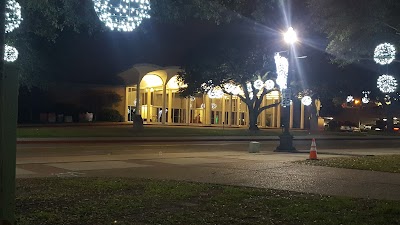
[306,100]
[10,53]
[350,98]
[13,15]
[258,84]
[387,84]
[282,69]
[122,15]
[384,53]
[365,99]
[269,84]
[214,106]
[216,93]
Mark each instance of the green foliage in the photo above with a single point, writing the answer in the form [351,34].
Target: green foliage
[355,27]
[109,115]
[218,11]
[96,100]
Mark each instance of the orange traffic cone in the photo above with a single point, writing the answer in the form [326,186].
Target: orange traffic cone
[313,150]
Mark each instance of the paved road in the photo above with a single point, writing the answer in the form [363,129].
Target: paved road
[215,162]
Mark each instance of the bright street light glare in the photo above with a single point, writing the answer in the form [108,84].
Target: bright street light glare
[290,36]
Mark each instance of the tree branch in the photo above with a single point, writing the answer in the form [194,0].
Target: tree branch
[269,106]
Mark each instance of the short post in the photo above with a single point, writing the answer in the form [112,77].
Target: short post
[254,147]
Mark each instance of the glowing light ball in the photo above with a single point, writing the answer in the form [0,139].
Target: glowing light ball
[203,106]
[249,88]
[13,15]
[282,69]
[387,84]
[349,98]
[10,53]
[237,90]
[306,100]
[365,100]
[384,53]
[269,84]
[216,93]
[213,106]
[192,99]
[258,84]
[122,15]
[229,87]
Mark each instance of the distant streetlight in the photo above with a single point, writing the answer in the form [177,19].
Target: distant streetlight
[286,139]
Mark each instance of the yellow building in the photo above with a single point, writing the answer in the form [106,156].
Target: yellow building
[160,103]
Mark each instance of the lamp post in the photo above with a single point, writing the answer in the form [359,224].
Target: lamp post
[286,139]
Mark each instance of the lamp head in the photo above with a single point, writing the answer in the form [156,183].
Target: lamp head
[290,36]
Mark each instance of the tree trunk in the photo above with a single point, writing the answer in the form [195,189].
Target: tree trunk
[313,118]
[253,116]
[389,122]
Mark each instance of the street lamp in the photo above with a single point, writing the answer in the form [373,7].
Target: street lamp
[286,139]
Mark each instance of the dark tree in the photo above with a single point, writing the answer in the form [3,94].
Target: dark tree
[239,62]
[355,27]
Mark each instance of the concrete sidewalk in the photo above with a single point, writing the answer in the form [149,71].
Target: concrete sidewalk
[261,170]
[194,138]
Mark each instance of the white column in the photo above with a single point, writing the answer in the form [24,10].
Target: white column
[138,103]
[208,110]
[126,103]
[264,103]
[302,116]
[187,119]
[291,116]
[164,101]
[148,105]
[223,117]
[273,119]
[238,109]
[230,111]
[170,111]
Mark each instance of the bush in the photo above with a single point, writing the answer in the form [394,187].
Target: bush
[109,115]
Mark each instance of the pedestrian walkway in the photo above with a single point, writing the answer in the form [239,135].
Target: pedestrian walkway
[261,170]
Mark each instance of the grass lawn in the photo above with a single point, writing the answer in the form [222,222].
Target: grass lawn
[149,131]
[383,163]
[90,201]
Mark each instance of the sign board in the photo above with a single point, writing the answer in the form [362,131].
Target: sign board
[286,96]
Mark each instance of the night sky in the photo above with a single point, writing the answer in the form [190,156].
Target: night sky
[97,58]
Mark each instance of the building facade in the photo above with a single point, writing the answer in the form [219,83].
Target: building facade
[152,92]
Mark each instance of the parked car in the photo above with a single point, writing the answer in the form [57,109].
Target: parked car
[345,128]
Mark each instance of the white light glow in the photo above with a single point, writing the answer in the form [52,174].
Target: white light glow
[13,15]
[269,84]
[306,100]
[365,99]
[10,53]
[384,54]
[387,84]
[214,106]
[216,93]
[229,87]
[282,69]
[290,36]
[350,99]
[122,15]
[151,80]
[258,84]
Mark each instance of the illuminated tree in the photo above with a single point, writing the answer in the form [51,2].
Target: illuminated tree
[239,67]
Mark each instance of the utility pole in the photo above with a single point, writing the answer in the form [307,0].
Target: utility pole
[8,130]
